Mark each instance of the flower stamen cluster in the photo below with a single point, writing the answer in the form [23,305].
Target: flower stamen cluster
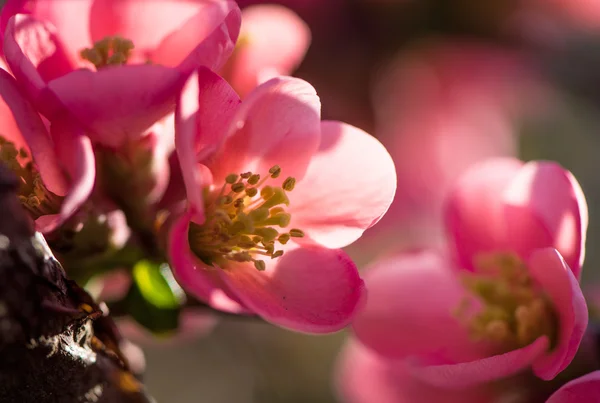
[33,194]
[515,310]
[109,51]
[242,221]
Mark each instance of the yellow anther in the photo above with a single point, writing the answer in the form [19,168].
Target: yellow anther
[231,178]
[275,171]
[238,203]
[253,180]
[225,200]
[260,265]
[259,214]
[108,51]
[289,184]
[296,233]
[277,254]
[267,234]
[251,192]
[246,175]
[283,238]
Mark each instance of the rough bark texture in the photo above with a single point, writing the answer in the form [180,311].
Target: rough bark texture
[56,344]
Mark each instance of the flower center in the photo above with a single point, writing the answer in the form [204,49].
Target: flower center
[515,310]
[109,51]
[243,221]
[33,194]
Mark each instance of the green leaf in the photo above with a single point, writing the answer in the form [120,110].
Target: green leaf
[155,298]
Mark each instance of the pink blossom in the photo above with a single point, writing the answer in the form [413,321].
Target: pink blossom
[44,183]
[326,181]
[582,389]
[439,109]
[363,376]
[272,42]
[502,296]
[116,66]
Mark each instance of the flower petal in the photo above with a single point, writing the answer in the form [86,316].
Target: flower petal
[120,103]
[277,124]
[582,389]
[487,369]
[33,132]
[75,150]
[545,207]
[349,185]
[549,269]
[273,41]
[411,300]
[35,54]
[204,111]
[364,377]
[201,281]
[312,289]
[474,213]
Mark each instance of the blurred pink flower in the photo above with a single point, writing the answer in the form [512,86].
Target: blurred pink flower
[272,42]
[265,163]
[439,109]
[365,377]
[49,171]
[583,389]
[141,51]
[505,299]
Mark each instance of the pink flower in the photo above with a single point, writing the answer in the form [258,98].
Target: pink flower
[272,42]
[141,51]
[365,377]
[27,148]
[582,389]
[266,164]
[503,298]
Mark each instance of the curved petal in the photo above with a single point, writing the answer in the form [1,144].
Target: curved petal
[273,41]
[166,32]
[487,369]
[277,124]
[552,273]
[199,280]
[34,132]
[411,302]
[203,113]
[582,389]
[474,214]
[35,55]
[545,207]
[120,103]
[364,377]
[75,150]
[349,185]
[312,289]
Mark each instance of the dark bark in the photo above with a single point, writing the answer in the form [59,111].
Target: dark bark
[56,344]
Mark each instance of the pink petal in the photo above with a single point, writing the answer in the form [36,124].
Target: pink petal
[273,41]
[35,55]
[349,185]
[312,289]
[364,377]
[582,389]
[33,132]
[277,124]
[545,207]
[474,211]
[118,104]
[487,369]
[168,32]
[75,150]
[204,111]
[201,281]
[549,269]
[411,303]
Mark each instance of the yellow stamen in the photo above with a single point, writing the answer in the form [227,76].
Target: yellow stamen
[109,51]
[242,221]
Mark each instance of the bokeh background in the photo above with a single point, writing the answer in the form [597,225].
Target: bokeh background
[443,83]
